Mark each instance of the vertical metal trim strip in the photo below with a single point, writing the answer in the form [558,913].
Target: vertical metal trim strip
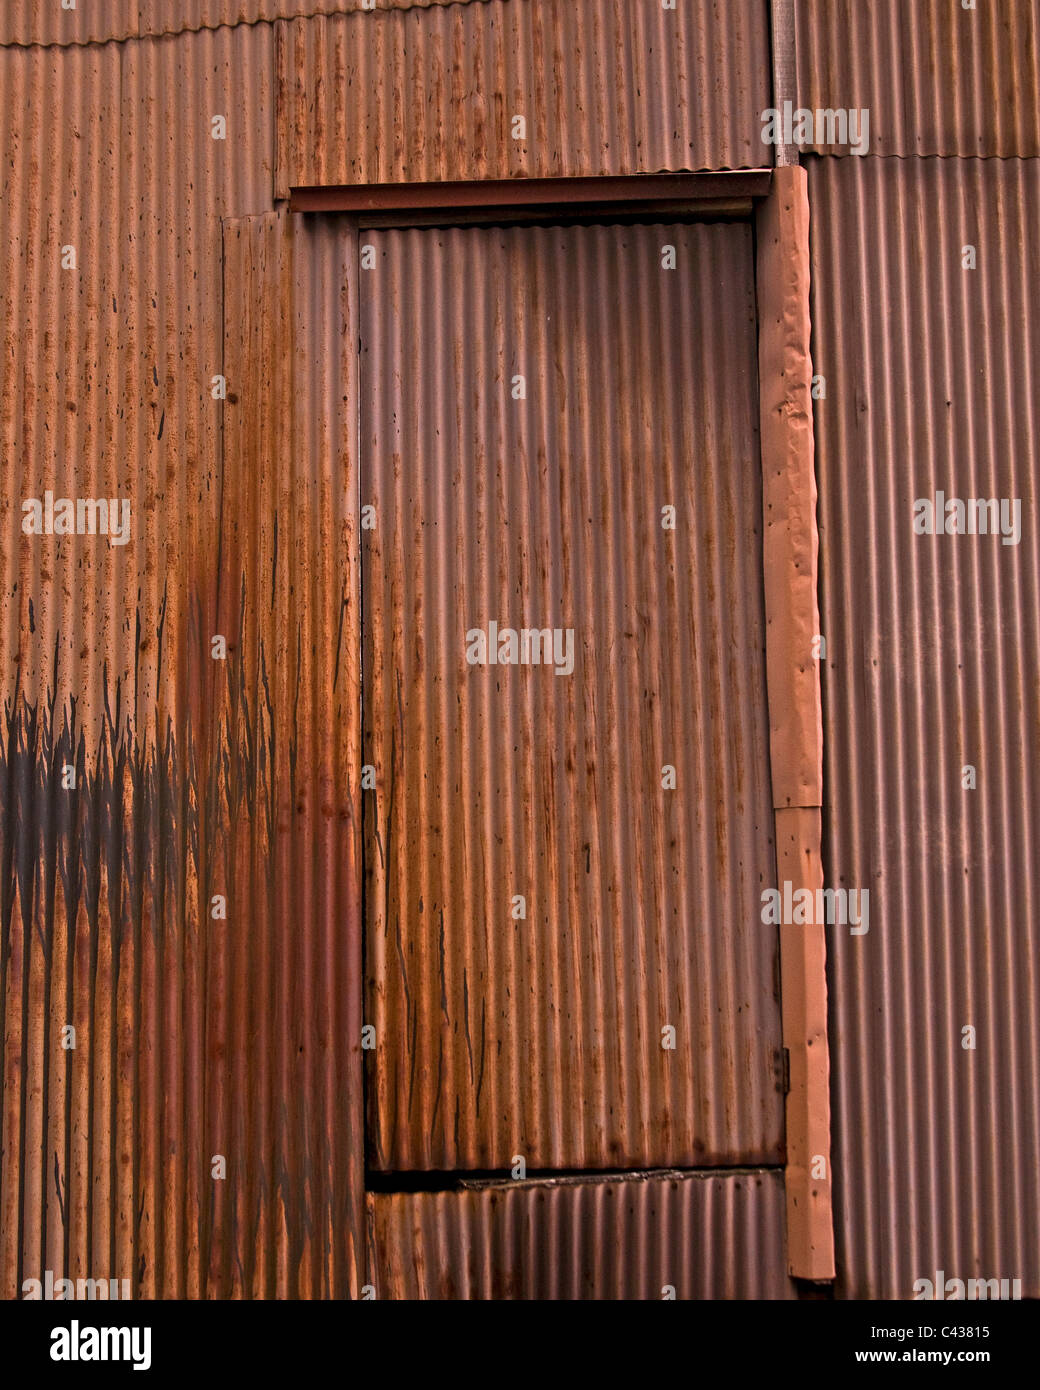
[790,558]
[784,69]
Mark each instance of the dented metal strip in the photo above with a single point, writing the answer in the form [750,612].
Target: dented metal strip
[790,549]
[803,995]
[790,540]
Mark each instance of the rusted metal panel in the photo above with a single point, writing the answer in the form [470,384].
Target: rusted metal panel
[431,94]
[932,373]
[511,196]
[936,78]
[100,21]
[195,778]
[542,1036]
[291,1102]
[790,556]
[24,22]
[69,938]
[665,1235]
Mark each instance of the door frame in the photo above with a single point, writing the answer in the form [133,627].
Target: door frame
[776,200]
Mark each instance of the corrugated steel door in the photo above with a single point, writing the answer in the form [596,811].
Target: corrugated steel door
[565,847]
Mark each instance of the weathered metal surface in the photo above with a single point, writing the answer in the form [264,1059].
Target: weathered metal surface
[605,87]
[936,78]
[99,21]
[668,1235]
[195,778]
[932,375]
[292,1108]
[512,196]
[790,555]
[542,1037]
[790,540]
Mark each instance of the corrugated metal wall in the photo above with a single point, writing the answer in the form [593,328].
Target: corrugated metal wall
[542,1037]
[937,79]
[97,21]
[198,1035]
[674,1235]
[933,374]
[435,92]
[195,1035]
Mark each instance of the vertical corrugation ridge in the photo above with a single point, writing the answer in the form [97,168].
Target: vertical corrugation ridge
[642,902]
[46,22]
[196,1035]
[931,378]
[936,78]
[582,76]
[574,1239]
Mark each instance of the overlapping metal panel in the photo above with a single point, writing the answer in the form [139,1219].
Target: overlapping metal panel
[524,431]
[604,87]
[198,1034]
[935,77]
[65,22]
[932,377]
[669,1235]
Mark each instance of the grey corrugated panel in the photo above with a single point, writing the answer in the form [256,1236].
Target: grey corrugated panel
[24,22]
[933,374]
[195,777]
[542,1037]
[718,1236]
[606,87]
[936,78]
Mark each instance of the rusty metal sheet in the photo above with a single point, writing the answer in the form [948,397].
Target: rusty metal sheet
[932,376]
[936,78]
[289,1098]
[647,1236]
[541,1036]
[99,21]
[24,22]
[431,94]
[196,1035]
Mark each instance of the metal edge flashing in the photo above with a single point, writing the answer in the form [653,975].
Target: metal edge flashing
[630,191]
[790,560]
[785,68]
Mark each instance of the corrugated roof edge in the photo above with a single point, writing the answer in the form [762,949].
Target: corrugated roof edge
[911,158]
[316,11]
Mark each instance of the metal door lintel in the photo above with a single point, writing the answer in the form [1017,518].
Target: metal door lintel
[698,191]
